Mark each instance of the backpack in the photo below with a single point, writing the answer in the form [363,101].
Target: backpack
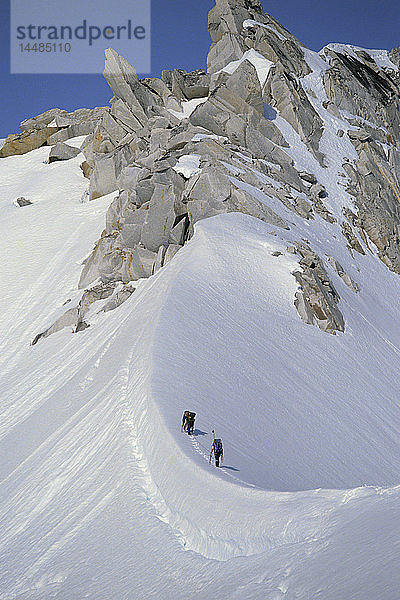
[218,446]
[192,416]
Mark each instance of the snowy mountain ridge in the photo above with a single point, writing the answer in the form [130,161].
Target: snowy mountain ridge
[192,247]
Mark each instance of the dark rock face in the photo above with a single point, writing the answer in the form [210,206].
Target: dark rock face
[187,86]
[375,185]
[317,301]
[62,151]
[359,87]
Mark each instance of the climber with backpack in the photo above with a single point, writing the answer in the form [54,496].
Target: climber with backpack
[217,450]
[185,420]
[188,421]
[190,426]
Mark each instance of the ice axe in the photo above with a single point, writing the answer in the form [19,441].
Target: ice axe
[213,432]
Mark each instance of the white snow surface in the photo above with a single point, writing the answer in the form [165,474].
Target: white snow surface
[188,107]
[102,496]
[198,137]
[261,64]
[188,165]
[251,23]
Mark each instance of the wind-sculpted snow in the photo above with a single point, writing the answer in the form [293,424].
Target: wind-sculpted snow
[242,362]
[98,484]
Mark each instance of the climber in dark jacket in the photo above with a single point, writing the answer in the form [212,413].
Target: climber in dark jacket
[218,451]
[190,423]
[185,420]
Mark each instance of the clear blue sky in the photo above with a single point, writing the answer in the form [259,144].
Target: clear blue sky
[180,40]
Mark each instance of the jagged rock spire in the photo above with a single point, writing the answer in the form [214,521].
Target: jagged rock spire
[230,26]
[227,16]
[170,147]
[225,25]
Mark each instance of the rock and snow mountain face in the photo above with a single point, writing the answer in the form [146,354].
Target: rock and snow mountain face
[225,242]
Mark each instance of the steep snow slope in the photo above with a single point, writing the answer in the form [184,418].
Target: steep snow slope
[306,410]
[101,495]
